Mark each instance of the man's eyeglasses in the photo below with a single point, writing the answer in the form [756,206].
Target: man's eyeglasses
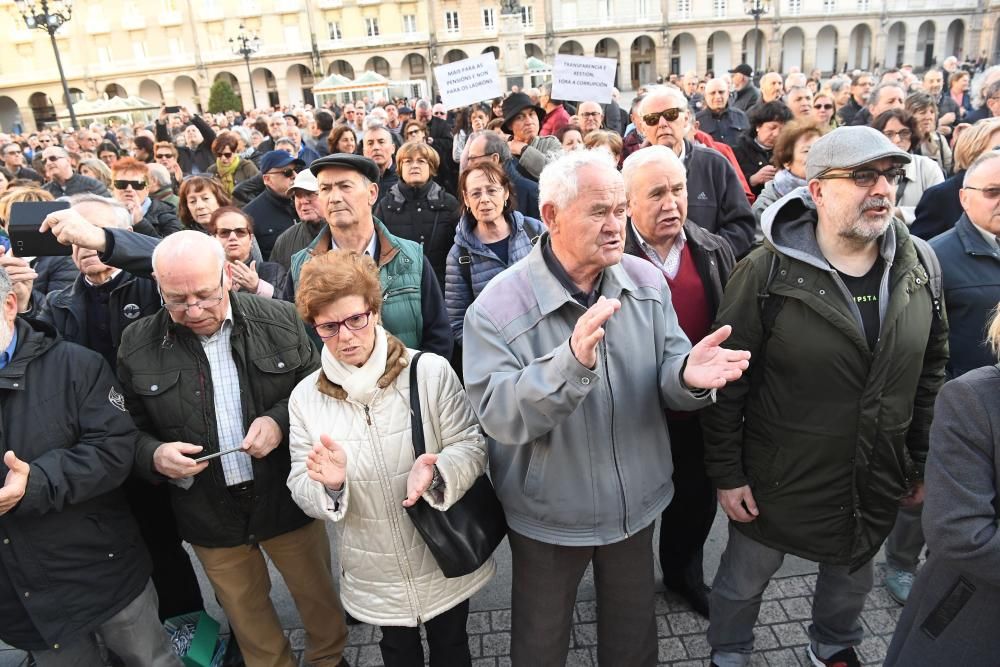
[669,115]
[204,304]
[991,192]
[15,152]
[287,173]
[441,114]
[223,233]
[903,135]
[124,185]
[592,114]
[866,178]
[492,192]
[225,155]
[824,107]
[54,158]
[164,156]
[330,329]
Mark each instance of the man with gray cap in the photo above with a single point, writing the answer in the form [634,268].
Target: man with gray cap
[308,224]
[815,449]
[413,303]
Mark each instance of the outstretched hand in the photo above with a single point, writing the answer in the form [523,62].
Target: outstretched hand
[420,478]
[327,463]
[711,366]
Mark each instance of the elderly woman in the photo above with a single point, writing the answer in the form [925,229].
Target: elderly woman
[921,172]
[108,153]
[353,464]
[570,136]
[953,611]
[200,196]
[605,140]
[342,140]
[229,168]
[419,209]
[930,142]
[824,109]
[490,237]
[790,151]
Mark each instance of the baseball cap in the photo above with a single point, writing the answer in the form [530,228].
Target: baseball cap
[364,166]
[743,69]
[850,147]
[276,160]
[305,180]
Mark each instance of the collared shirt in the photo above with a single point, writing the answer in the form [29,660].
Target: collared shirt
[8,354]
[114,275]
[236,467]
[992,239]
[670,264]
[371,250]
[147,202]
[552,262]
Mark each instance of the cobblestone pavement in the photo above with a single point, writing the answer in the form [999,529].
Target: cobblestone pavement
[781,632]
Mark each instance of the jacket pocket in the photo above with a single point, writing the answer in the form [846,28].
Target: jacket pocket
[285,361]
[536,468]
[396,293]
[948,608]
[161,395]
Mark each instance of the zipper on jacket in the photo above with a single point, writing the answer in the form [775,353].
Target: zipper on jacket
[614,449]
[368,416]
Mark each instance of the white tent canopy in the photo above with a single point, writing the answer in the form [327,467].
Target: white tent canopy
[116,106]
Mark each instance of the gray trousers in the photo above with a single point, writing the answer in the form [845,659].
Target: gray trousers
[746,568]
[134,634]
[906,541]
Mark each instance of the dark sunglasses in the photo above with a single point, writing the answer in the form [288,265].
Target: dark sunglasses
[669,115]
[287,173]
[826,107]
[124,185]
[225,155]
[164,156]
[223,233]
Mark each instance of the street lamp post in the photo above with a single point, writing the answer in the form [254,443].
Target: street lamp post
[246,44]
[756,9]
[50,16]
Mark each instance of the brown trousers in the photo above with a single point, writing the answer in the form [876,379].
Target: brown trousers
[242,584]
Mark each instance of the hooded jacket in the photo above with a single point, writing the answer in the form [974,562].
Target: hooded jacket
[828,434]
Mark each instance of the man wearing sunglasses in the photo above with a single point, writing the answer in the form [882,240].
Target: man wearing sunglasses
[130,186]
[716,199]
[62,180]
[13,162]
[273,209]
[814,451]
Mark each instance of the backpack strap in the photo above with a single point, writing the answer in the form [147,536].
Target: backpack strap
[465,266]
[770,305]
[929,260]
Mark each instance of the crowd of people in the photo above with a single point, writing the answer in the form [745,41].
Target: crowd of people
[739,291]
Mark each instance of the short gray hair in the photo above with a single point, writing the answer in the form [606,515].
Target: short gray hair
[122,216]
[979,83]
[983,158]
[159,174]
[282,141]
[665,90]
[641,159]
[876,93]
[495,145]
[559,183]
[5,285]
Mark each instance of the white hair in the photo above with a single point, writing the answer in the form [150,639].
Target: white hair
[639,160]
[377,117]
[660,91]
[160,174]
[559,183]
[178,248]
[979,84]
[122,216]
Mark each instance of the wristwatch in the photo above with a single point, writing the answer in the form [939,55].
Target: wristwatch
[437,481]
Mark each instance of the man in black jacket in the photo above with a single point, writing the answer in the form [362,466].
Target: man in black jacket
[696,265]
[272,210]
[62,180]
[195,156]
[211,373]
[71,561]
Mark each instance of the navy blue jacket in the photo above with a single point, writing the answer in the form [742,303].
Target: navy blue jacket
[525,188]
[938,208]
[971,269]
[271,216]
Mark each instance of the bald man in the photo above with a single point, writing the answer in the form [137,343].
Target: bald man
[720,120]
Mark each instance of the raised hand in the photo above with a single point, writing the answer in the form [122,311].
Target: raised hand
[327,463]
[421,475]
[711,366]
[589,330]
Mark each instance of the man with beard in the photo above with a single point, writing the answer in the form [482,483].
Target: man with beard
[815,450]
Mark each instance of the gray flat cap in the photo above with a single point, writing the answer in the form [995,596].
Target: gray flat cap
[364,166]
[850,147]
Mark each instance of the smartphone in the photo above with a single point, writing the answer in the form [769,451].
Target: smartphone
[172,109]
[215,455]
[25,239]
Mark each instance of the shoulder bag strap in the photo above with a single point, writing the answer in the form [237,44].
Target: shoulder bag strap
[416,421]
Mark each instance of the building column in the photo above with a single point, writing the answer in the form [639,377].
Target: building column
[625,65]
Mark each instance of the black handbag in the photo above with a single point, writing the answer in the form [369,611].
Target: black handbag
[462,538]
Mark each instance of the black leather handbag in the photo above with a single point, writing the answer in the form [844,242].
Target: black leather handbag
[462,538]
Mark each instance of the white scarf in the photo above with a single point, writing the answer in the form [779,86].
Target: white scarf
[359,383]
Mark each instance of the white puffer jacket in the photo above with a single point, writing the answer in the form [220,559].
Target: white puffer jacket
[388,575]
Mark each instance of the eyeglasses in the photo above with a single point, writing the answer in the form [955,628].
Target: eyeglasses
[422,161]
[441,114]
[669,115]
[410,133]
[124,185]
[492,192]
[225,155]
[15,152]
[472,158]
[223,233]
[54,158]
[591,114]
[825,107]
[903,135]
[164,156]
[866,178]
[204,304]
[328,330]
[287,173]
[992,192]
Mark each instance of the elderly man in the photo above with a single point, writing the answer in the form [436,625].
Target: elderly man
[591,117]
[308,224]
[799,101]
[556,116]
[521,120]
[745,94]
[302,151]
[883,97]
[233,359]
[860,91]
[130,182]
[833,307]
[195,156]
[62,180]
[13,162]
[721,121]
[379,147]
[161,185]
[414,308]
[716,200]
[771,88]
[579,446]
[489,145]
[72,567]
[613,114]
[273,210]
[696,100]
[696,265]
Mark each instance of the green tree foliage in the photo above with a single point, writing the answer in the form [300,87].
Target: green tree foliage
[222,98]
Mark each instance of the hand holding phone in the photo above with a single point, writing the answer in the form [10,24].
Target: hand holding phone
[27,239]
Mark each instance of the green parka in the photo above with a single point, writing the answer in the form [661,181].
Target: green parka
[828,434]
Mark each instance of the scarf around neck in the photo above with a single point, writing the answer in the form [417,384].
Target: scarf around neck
[359,383]
[785,181]
[226,173]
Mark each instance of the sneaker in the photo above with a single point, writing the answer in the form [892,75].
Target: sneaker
[898,584]
[843,658]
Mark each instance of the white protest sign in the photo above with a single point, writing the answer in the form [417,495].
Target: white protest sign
[468,81]
[582,79]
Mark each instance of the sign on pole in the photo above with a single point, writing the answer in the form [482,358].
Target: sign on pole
[468,81]
[583,79]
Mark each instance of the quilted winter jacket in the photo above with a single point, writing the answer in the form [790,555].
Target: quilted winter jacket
[388,575]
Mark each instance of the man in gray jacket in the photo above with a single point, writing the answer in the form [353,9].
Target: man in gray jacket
[571,357]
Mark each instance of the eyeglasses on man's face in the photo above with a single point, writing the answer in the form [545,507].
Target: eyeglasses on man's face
[990,192]
[669,115]
[240,232]
[326,330]
[866,178]
[287,173]
[203,304]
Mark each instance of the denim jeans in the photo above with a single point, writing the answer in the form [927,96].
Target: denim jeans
[746,568]
[906,541]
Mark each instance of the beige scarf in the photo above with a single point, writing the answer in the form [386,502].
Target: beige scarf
[359,383]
